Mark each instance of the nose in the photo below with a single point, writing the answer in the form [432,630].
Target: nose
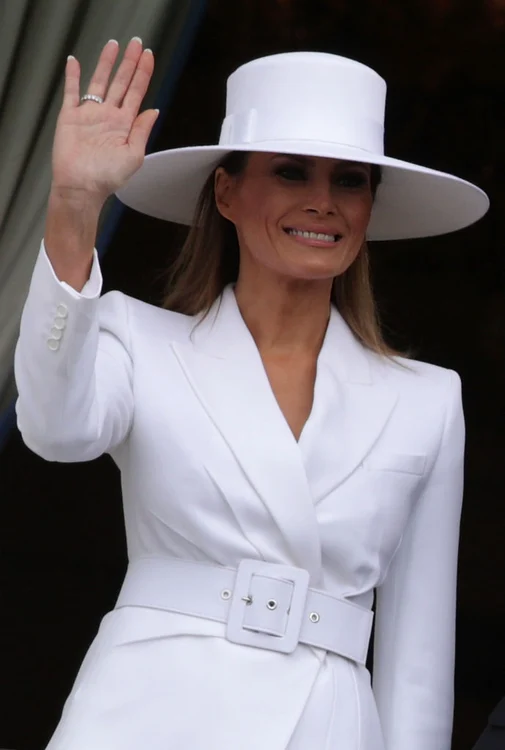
[321,200]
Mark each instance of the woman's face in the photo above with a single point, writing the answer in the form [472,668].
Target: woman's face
[300,217]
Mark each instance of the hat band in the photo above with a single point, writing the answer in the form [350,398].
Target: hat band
[252,127]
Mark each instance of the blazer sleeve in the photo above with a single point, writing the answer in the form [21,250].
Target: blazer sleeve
[73,368]
[416,604]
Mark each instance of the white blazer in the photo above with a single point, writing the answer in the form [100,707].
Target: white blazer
[367,501]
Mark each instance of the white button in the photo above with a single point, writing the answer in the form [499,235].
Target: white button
[53,344]
[60,324]
[62,311]
[56,334]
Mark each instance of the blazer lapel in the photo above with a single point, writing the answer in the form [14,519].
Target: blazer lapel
[225,370]
[358,404]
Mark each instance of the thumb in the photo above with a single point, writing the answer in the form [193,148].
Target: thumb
[141,129]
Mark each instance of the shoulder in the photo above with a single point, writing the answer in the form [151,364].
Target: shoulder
[416,378]
[145,319]
[429,401]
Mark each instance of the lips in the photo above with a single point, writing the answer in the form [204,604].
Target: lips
[313,235]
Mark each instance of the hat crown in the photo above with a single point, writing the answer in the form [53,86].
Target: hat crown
[305,96]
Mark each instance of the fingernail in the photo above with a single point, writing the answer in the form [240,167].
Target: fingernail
[136,39]
[70,57]
[157,111]
[148,50]
[113,41]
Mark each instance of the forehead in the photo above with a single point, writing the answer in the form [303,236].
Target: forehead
[308,161]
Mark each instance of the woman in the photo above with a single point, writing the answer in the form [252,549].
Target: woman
[279,464]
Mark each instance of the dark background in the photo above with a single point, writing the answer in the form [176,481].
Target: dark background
[61,527]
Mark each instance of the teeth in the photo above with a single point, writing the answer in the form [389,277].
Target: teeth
[312,235]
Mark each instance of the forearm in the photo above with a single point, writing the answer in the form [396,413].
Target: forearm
[70,235]
[74,378]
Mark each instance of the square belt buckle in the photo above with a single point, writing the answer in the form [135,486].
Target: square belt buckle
[235,631]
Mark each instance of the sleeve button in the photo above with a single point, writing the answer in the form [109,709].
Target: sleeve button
[53,344]
[62,311]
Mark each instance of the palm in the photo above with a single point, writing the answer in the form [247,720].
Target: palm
[97,147]
[91,149]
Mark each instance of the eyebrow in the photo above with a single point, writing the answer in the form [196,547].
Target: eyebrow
[311,161]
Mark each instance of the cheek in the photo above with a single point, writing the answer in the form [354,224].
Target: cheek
[359,215]
[258,221]
[250,212]
[254,230]
[255,238]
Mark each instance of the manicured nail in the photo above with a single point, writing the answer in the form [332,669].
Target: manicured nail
[136,39]
[148,50]
[113,41]
[157,111]
[70,57]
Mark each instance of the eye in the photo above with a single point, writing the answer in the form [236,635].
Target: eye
[353,179]
[292,172]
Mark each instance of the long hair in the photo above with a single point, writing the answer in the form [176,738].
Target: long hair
[209,261]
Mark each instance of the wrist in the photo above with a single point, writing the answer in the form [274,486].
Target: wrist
[70,234]
[75,200]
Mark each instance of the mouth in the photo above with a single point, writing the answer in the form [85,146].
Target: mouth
[319,237]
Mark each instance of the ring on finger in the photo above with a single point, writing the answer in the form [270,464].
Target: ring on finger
[91,98]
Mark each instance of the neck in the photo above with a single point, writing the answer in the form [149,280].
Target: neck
[285,315]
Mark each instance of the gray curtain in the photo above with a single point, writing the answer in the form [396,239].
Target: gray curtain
[35,38]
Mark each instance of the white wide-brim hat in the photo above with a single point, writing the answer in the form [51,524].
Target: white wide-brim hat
[313,104]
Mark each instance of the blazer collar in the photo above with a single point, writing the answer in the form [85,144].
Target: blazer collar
[224,334]
[225,370]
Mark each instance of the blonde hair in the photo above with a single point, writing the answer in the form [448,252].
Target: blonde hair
[209,261]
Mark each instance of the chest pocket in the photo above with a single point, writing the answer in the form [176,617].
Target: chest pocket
[396,462]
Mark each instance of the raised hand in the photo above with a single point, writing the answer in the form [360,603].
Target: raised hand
[97,147]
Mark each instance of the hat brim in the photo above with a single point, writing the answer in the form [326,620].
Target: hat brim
[412,201]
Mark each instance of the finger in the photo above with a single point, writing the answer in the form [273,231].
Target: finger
[140,83]
[71,91]
[100,79]
[141,130]
[125,73]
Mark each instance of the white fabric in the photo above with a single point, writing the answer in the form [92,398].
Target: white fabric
[315,104]
[239,597]
[265,102]
[369,498]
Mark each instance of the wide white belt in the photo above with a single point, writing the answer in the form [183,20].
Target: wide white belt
[265,605]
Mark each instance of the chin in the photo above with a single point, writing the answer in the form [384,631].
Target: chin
[312,275]
[320,271]
[321,268]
